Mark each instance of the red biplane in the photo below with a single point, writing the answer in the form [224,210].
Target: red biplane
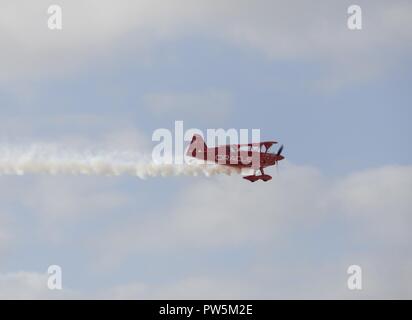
[255,156]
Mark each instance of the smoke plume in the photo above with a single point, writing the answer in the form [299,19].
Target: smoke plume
[47,159]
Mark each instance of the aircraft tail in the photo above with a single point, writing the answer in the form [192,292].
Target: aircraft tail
[197,146]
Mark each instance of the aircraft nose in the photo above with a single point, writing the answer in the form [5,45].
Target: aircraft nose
[276,158]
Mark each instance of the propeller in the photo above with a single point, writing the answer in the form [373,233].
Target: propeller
[280,150]
[278,154]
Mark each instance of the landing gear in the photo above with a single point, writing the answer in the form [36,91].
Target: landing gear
[265,177]
[262,176]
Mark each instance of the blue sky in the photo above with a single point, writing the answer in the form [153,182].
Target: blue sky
[339,101]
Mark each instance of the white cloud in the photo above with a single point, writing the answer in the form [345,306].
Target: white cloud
[229,211]
[381,200]
[189,288]
[292,30]
[226,213]
[27,286]
[91,30]
[321,279]
[23,285]
[130,291]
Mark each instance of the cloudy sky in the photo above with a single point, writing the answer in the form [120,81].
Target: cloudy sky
[339,100]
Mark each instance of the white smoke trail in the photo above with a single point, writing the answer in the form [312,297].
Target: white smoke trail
[47,159]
